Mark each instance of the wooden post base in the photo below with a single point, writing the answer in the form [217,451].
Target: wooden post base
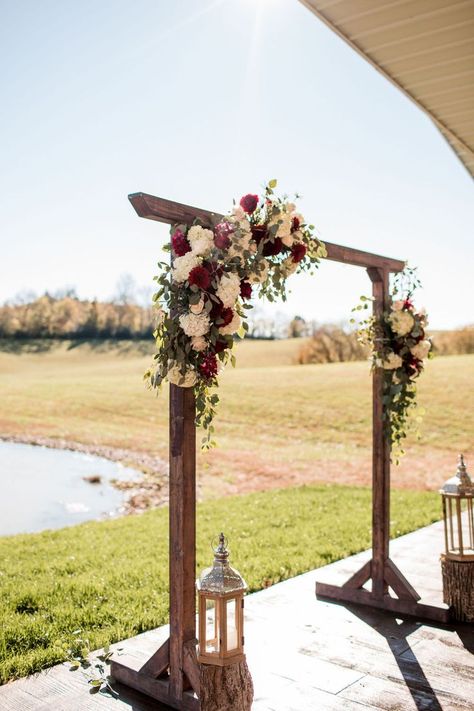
[153,678]
[458,588]
[407,602]
[228,688]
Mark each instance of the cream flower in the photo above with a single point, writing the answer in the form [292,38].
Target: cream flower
[398,305]
[402,322]
[183,265]
[421,349]
[199,343]
[197,308]
[392,362]
[231,327]
[241,241]
[239,213]
[195,324]
[283,220]
[288,266]
[201,240]
[229,288]
[177,378]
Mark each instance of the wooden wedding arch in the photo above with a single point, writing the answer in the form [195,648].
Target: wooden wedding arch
[171,675]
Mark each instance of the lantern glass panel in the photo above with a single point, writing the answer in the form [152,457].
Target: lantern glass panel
[232,624]
[212,627]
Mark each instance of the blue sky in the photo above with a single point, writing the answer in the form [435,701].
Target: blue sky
[201,102]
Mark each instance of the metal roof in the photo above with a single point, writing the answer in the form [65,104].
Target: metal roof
[424,47]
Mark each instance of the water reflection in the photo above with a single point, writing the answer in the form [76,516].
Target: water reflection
[45,488]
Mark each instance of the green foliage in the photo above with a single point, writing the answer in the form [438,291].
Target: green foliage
[98,583]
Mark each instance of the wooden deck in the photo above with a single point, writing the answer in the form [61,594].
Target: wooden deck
[332,658]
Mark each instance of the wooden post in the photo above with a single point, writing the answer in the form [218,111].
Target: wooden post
[182,524]
[380,452]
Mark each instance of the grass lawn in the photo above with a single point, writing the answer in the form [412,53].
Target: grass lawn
[109,579]
[278,423]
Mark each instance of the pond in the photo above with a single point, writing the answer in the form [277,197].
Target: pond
[47,488]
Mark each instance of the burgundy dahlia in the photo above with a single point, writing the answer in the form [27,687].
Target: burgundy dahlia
[298,252]
[208,366]
[245,289]
[270,249]
[199,276]
[180,244]
[226,316]
[249,203]
[259,232]
[220,346]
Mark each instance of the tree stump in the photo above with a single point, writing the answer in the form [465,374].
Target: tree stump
[228,688]
[458,587]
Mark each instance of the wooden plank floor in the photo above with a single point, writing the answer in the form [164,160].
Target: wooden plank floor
[307,654]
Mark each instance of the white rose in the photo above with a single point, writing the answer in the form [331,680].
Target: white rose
[402,322]
[195,324]
[231,327]
[177,378]
[197,308]
[183,265]
[283,221]
[228,290]
[392,362]
[199,343]
[398,305]
[421,349]
[239,213]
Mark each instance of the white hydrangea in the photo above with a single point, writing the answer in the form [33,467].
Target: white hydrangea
[195,324]
[199,343]
[242,241]
[177,378]
[201,240]
[231,327]
[421,349]
[258,277]
[228,290]
[183,265]
[392,362]
[402,322]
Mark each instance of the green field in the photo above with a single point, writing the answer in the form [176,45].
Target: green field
[109,579]
[278,423]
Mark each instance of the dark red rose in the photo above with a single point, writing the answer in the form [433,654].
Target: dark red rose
[295,223]
[180,244]
[216,311]
[199,276]
[270,249]
[208,366]
[245,289]
[220,346]
[226,316]
[222,234]
[407,304]
[259,232]
[249,203]
[298,252]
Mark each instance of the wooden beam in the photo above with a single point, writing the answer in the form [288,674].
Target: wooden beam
[170,212]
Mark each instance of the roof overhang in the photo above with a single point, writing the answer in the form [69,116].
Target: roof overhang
[423,47]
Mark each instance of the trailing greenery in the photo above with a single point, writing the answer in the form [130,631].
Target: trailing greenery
[107,581]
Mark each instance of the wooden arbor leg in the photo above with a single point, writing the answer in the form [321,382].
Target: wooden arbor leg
[171,675]
[380,569]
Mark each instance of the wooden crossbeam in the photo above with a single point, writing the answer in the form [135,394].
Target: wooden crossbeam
[161,210]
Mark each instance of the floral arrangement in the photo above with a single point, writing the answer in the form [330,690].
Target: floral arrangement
[399,345]
[203,294]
